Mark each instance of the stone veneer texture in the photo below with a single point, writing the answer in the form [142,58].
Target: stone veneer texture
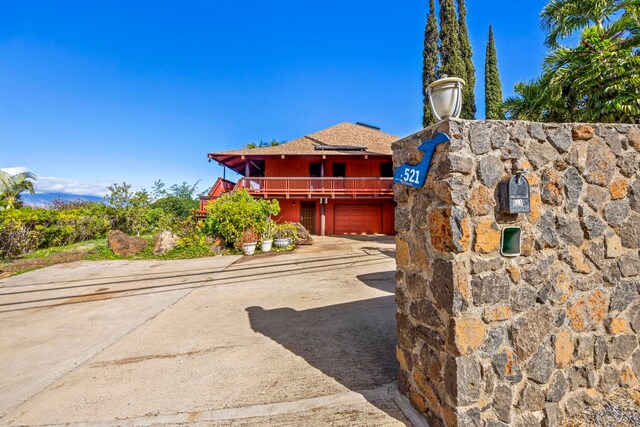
[485,340]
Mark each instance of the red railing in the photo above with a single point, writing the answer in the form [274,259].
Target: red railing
[227,185]
[352,188]
[318,187]
[204,201]
[219,188]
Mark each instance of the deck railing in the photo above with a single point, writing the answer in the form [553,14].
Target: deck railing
[318,187]
[204,201]
[293,187]
[227,185]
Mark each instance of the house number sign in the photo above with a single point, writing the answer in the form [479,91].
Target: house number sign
[415,175]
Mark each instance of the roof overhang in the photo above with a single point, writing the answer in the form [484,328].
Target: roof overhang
[237,162]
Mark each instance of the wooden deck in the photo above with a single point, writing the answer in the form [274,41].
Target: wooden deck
[309,188]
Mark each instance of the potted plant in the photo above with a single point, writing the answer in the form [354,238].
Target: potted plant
[283,236]
[248,241]
[268,229]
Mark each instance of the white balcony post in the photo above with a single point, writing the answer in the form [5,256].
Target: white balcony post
[323,218]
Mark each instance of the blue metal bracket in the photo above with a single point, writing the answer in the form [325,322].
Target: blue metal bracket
[416,175]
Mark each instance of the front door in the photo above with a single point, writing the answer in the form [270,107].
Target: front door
[308,216]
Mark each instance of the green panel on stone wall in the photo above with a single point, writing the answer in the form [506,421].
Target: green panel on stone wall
[511,238]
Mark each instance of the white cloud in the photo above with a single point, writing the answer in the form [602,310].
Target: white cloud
[48,184]
[14,170]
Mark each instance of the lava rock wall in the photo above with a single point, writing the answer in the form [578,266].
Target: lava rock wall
[485,340]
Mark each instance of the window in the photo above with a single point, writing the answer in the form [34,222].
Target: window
[339,169]
[386,170]
[315,170]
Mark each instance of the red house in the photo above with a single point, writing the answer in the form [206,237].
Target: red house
[335,181]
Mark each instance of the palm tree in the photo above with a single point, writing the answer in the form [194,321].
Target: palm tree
[562,18]
[12,185]
[596,81]
[599,80]
[529,102]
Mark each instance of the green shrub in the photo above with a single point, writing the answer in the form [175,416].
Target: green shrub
[62,223]
[178,207]
[28,229]
[195,245]
[233,213]
[130,211]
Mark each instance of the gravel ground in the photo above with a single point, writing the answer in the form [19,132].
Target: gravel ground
[620,409]
[8,268]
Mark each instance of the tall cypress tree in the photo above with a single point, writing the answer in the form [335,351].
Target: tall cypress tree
[469,75]
[492,85]
[429,62]
[450,55]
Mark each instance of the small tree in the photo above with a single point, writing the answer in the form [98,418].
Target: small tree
[492,85]
[178,201]
[129,208]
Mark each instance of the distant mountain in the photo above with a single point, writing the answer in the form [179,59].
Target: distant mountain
[43,199]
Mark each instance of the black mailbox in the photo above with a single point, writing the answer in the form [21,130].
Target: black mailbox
[515,196]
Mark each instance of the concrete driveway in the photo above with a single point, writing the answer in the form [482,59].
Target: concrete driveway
[305,338]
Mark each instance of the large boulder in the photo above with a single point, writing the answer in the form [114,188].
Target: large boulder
[124,245]
[304,238]
[164,242]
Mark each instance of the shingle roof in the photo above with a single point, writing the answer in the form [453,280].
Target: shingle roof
[373,141]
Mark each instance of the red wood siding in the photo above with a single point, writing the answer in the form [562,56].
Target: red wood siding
[299,166]
[289,212]
[289,166]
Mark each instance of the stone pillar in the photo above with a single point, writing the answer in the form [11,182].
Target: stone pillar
[485,340]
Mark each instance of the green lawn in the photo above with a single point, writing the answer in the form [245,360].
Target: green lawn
[81,246]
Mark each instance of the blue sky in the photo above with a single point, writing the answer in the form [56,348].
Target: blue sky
[97,92]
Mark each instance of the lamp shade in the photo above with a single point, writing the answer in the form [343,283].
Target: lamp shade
[445,97]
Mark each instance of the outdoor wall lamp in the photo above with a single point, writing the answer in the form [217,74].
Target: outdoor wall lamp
[445,97]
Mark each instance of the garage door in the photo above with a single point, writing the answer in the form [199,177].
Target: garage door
[358,219]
